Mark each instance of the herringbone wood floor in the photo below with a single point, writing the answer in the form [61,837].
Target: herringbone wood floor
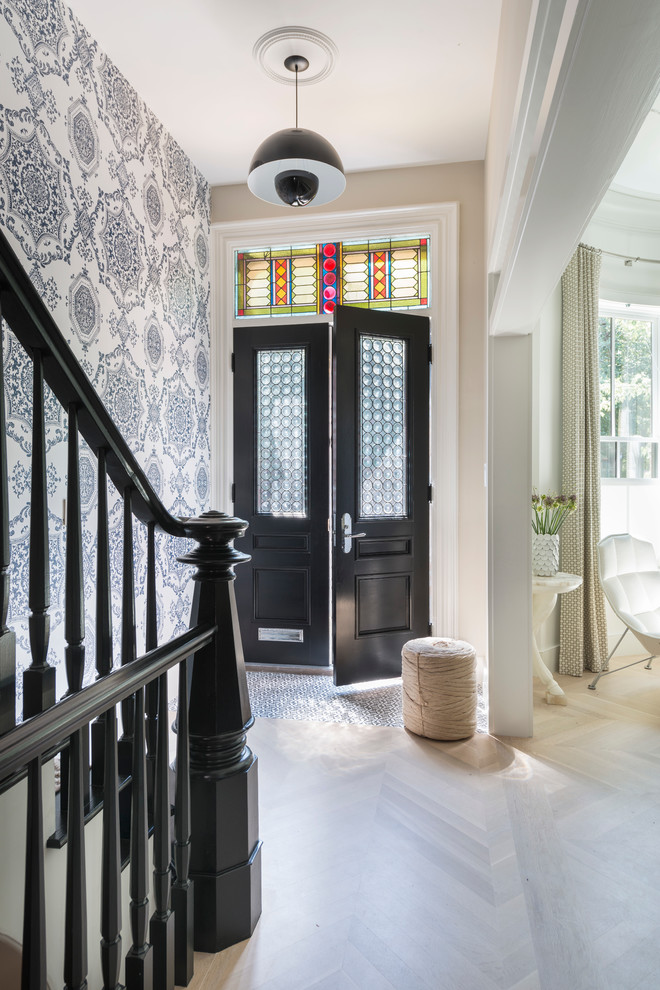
[395,862]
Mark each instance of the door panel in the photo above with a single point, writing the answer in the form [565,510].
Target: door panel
[380,474]
[281,474]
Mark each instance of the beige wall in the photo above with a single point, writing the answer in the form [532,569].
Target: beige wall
[386,189]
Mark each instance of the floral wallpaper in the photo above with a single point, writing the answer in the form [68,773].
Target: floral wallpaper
[111,220]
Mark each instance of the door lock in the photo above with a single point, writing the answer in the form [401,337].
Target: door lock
[346,526]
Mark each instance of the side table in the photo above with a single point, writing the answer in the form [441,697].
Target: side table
[544,599]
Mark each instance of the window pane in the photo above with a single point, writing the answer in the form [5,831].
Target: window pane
[632,383]
[383,453]
[608,459]
[636,459]
[315,278]
[281,469]
[605,365]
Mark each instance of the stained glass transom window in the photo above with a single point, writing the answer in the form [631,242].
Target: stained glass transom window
[385,274]
[281,470]
[383,472]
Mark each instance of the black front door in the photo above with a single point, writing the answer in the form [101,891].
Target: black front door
[381,476]
[285,428]
[281,477]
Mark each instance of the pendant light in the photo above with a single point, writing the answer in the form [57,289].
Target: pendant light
[296,167]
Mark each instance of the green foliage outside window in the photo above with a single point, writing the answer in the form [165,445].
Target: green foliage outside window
[628,447]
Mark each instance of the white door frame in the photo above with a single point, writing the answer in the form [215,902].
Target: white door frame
[440,222]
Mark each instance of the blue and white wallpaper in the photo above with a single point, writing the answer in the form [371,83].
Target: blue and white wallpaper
[111,220]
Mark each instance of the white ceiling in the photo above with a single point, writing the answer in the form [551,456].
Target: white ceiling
[411,86]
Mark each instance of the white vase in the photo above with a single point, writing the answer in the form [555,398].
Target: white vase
[545,554]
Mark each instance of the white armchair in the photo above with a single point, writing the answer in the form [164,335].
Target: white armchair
[630,578]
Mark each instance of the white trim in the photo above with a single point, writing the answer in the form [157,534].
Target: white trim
[440,221]
[608,68]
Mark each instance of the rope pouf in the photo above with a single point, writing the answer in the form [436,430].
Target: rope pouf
[439,688]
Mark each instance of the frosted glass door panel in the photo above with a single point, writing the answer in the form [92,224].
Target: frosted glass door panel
[382,442]
[281,470]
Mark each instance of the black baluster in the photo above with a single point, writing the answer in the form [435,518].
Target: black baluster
[162,921]
[74,620]
[161,930]
[75,926]
[225,852]
[103,594]
[128,637]
[39,678]
[103,616]
[151,642]
[7,636]
[111,860]
[107,726]
[34,910]
[183,890]
[139,961]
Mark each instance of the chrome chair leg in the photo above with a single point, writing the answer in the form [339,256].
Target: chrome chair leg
[606,669]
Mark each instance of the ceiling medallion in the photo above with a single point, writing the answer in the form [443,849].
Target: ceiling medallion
[295,166]
[273,48]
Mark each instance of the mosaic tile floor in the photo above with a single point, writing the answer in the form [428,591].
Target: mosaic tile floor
[314,698]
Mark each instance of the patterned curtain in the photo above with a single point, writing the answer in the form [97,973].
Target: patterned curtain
[583,629]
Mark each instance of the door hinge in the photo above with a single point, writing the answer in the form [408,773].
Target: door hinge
[430,493]
[233,362]
[430,632]
[233,492]
[430,354]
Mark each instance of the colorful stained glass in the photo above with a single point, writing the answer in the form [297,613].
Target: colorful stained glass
[306,279]
[281,487]
[383,472]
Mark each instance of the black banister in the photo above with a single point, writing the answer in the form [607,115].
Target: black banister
[27,315]
[216,898]
[47,730]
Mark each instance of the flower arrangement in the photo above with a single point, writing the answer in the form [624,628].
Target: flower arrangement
[550,511]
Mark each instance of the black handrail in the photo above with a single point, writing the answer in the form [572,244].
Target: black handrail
[27,315]
[46,730]
[217,793]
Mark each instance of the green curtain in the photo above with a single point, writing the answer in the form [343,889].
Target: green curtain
[583,628]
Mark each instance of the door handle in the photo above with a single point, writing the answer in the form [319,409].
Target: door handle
[346,526]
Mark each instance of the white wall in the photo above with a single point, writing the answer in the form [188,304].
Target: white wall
[546,433]
[510,628]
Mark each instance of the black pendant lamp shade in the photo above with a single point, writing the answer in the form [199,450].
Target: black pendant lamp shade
[295,167]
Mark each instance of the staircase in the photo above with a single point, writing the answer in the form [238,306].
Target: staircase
[189,837]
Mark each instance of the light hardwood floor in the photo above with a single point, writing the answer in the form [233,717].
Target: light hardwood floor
[394,862]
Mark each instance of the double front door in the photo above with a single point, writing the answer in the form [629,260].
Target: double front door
[331,471]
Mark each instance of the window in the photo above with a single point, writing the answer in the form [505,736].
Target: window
[314,278]
[629,414]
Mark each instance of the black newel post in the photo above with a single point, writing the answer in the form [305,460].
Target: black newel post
[225,849]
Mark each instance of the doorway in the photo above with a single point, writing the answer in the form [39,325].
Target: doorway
[331,471]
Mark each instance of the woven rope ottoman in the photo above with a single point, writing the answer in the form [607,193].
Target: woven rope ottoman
[439,688]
